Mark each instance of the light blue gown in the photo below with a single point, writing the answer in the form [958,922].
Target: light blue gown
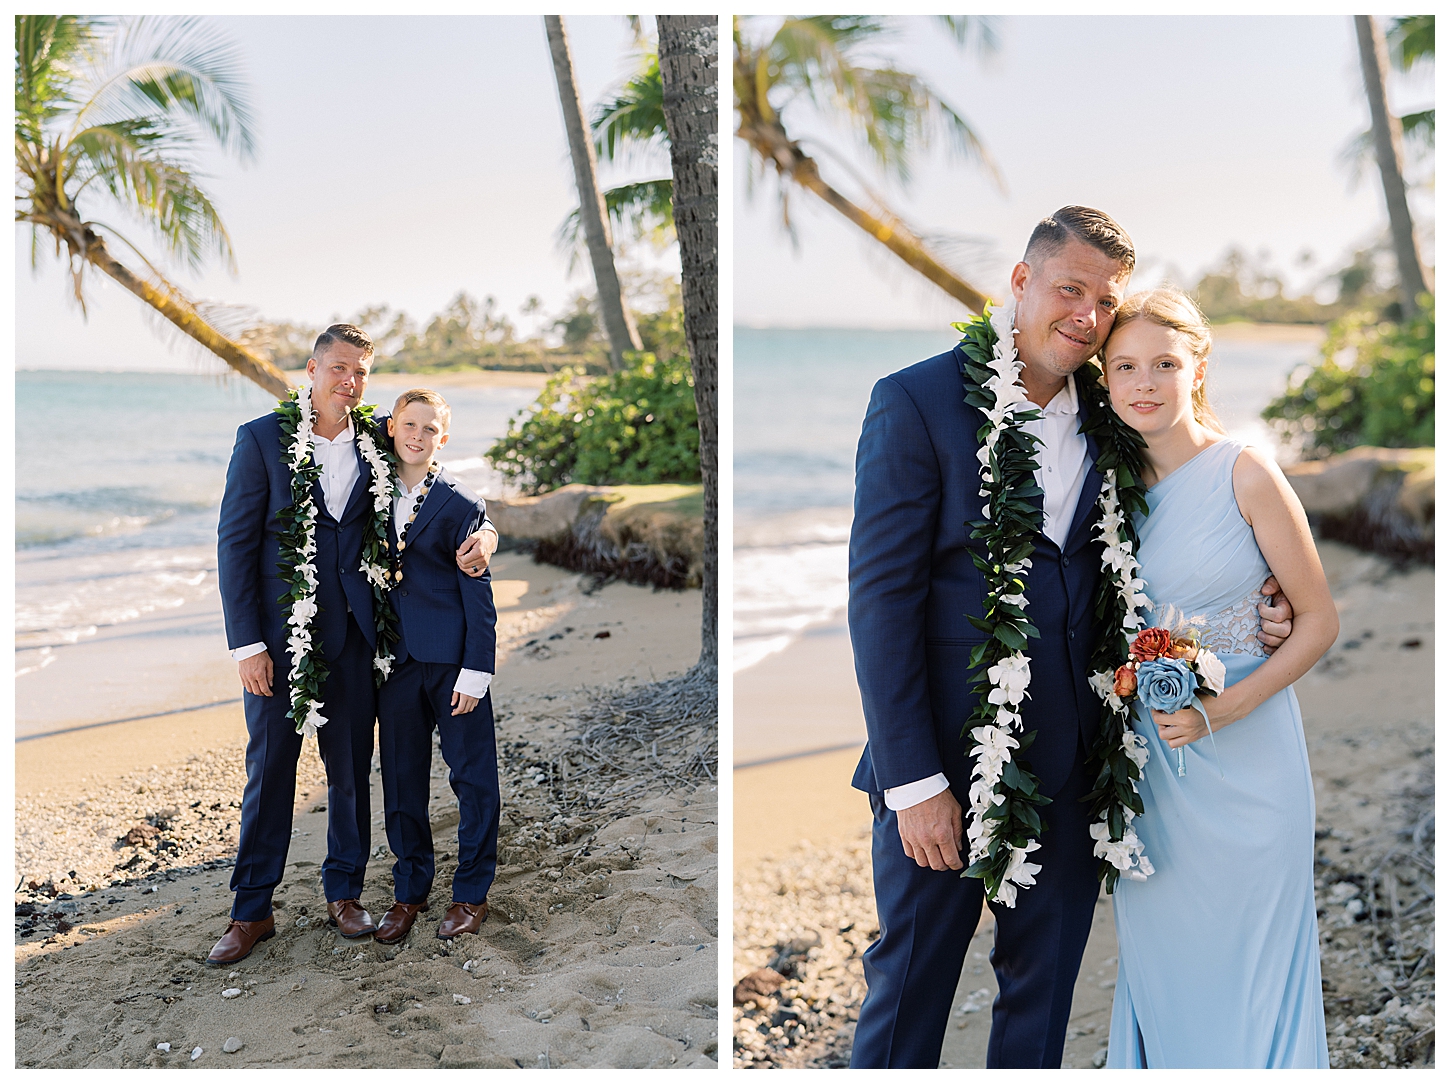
[1218,957]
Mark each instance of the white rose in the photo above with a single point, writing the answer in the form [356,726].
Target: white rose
[1210,667]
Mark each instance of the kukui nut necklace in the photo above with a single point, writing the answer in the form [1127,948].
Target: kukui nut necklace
[403,532]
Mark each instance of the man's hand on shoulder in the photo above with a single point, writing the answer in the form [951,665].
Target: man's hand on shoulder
[477,550]
[256,673]
[931,832]
[1276,616]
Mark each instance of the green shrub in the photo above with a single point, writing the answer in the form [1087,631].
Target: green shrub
[634,427]
[1375,385]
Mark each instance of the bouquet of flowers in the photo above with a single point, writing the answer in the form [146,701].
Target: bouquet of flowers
[1166,671]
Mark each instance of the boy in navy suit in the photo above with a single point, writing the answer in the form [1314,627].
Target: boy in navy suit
[443,663]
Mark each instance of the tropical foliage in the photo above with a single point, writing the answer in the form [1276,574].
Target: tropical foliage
[1375,385]
[109,114]
[829,62]
[636,426]
[629,122]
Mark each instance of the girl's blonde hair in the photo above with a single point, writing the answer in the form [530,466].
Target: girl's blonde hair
[1172,308]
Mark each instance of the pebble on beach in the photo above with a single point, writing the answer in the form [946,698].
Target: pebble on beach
[232,1045]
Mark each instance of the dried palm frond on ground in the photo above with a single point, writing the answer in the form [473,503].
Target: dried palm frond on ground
[646,739]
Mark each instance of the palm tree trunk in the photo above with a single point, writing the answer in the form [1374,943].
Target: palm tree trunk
[1374,61]
[618,323]
[258,370]
[772,144]
[689,70]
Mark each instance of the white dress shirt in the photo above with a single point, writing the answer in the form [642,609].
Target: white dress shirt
[1062,465]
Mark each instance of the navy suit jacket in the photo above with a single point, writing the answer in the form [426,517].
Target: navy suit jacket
[913,584]
[259,485]
[444,615]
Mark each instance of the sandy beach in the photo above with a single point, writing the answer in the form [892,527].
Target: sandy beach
[804,904]
[600,948]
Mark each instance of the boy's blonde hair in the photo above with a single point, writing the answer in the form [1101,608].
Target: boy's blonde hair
[429,396]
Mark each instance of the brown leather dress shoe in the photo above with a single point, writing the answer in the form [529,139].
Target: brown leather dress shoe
[462,918]
[239,940]
[349,918]
[397,922]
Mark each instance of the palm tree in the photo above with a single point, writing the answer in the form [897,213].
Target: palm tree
[894,113]
[1374,61]
[689,69]
[618,324]
[115,107]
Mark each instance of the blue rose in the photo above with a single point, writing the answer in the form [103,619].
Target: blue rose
[1166,685]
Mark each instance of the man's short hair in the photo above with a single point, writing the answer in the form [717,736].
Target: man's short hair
[343,333]
[430,397]
[1086,224]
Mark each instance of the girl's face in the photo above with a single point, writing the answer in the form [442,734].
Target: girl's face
[1151,376]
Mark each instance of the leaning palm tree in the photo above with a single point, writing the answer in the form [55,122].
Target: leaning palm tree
[1374,62]
[618,323]
[114,108]
[689,61]
[893,113]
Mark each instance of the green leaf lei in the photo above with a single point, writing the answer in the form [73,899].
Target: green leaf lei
[1003,823]
[298,551]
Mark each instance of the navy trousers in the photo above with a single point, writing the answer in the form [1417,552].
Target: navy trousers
[927,920]
[346,745]
[417,697]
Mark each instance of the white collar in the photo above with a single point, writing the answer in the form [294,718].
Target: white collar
[345,437]
[1064,402]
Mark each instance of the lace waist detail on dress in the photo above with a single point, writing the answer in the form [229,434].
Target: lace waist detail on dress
[1234,629]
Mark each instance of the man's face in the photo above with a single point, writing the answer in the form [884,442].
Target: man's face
[1066,302]
[339,379]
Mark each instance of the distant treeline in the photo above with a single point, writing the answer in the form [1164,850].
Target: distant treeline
[1248,288]
[474,334]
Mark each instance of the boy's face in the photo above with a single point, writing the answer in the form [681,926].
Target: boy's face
[417,433]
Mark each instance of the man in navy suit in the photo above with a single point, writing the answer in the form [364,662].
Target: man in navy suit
[444,662]
[913,585]
[258,487]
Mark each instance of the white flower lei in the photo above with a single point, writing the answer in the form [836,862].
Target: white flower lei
[309,670]
[1010,676]
[1121,566]
[1000,836]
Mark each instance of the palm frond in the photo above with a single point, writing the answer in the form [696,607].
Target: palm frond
[48,49]
[634,116]
[1411,37]
[180,68]
[644,210]
[131,160]
[965,28]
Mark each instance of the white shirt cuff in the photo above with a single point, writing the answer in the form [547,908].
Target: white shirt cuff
[910,794]
[247,652]
[472,683]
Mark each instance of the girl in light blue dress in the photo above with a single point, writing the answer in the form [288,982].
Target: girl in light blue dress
[1218,959]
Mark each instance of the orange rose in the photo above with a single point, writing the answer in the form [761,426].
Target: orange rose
[1125,681]
[1185,649]
[1151,644]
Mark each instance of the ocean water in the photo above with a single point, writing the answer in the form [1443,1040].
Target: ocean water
[119,478]
[800,397]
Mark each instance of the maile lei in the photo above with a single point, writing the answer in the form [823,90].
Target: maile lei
[1003,823]
[297,539]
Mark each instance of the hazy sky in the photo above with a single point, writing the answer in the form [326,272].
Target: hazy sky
[400,160]
[1194,133]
